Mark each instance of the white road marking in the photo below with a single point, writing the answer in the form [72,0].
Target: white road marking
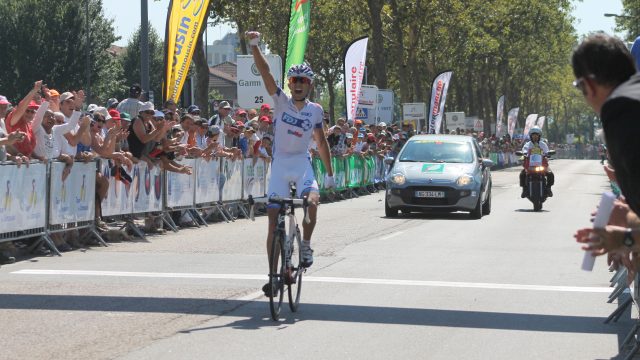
[335,280]
[392,235]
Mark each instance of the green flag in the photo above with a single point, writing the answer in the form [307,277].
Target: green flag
[298,34]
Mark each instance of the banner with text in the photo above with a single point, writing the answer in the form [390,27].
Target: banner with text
[354,61]
[512,120]
[529,123]
[367,104]
[147,188]
[414,114]
[231,180]
[438,99]
[181,187]
[207,181]
[299,25]
[184,20]
[72,199]
[251,91]
[541,120]
[23,198]
[385,106]
[499,116]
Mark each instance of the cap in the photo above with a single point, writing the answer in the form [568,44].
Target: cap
[214,129]
[112,102]
[146,106]
[158,114]
[125,116]
[53,92]
[33,105]
[4,101]
[265,107]
[371,137]
[266,119]
[224,105]
[102,111]
[240,112]
[91,108]
[349,135]
[193,108]
[361,135]
[358,121]
[65,96]
[382,124]
[115,114]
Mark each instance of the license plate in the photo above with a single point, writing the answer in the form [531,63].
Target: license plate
[430,194]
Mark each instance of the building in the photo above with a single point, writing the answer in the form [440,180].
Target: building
[223,79]
[223,50]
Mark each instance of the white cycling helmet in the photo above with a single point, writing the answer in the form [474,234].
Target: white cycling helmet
[535,130]
[301,70]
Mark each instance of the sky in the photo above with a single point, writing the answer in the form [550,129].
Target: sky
[589,16]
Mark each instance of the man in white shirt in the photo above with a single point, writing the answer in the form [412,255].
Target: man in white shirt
[133,104]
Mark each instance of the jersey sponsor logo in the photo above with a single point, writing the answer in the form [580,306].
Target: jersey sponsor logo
[295,133]
[304,124]
[308,183]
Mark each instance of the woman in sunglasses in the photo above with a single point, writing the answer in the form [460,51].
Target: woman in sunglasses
[296,121]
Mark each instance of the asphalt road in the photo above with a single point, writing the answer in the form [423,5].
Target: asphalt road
[508,286]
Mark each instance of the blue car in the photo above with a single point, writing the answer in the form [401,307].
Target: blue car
[443,173]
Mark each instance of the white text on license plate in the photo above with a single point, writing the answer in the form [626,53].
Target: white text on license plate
[430,194]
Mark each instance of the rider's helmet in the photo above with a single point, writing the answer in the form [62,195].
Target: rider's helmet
[535,130]
[301,70]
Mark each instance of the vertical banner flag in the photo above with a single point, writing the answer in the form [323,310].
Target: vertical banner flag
[355,58]
[184,20]
[512,119]
[298,34]
[541,122]
[438,98]
[499,116]
[529,123]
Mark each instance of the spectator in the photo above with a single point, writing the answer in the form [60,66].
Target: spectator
[194,111]
[222,117]
[70,104]
[54,99]
[4,107]
[265,150]
[19,119]
[265,109]
[132,105]
[252,114]
[264,126]
[146,133]
[112,104]
[171,106]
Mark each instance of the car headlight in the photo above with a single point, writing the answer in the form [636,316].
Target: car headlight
[397,179]
[464,180]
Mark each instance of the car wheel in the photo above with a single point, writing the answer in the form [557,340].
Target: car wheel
[477,212]
[389,212]
[486,208]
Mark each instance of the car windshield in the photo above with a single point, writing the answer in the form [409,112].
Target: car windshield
[436,151]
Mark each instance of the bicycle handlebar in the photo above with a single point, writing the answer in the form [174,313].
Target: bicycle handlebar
[280,201]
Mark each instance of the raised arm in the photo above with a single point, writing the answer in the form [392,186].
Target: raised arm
[37,120]
[261,62]
[22,106]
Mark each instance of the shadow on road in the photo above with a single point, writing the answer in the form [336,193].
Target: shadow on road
[255,313]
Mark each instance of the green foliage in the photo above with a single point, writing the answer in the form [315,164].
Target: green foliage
[47,40]
[629,20]
[130,63]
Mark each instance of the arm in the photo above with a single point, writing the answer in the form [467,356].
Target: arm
[37,120]
[141,133]
[261,63]
[323,149]
[22,106]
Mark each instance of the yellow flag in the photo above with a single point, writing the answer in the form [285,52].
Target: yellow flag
[184,20]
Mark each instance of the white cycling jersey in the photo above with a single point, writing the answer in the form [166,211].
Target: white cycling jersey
[530,145]
[293,129]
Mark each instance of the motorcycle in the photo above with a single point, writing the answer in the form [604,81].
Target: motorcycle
[535,166]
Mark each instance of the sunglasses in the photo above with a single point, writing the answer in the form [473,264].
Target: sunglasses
[30,111]
[579,83]
[296,79]
[149,112]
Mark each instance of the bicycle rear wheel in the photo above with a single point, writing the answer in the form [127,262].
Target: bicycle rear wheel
[276,274]
[294,272]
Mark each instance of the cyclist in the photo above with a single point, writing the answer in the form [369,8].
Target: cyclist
[295,121]
[536,146]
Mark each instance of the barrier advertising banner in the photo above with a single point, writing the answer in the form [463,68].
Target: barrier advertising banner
[147,188]
[368,104]
[184,20]
[23,197]
[385,106]
[512,119]
[251,90]
[414,114]
[207,181]
[73,199]
[354,61]
[499,116]
[231,180]
[119,200]
[438,99]
[181,187]
[529,123]
[299,25]
[254,178]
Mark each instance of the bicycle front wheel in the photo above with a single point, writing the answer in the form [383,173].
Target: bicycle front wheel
[276,274]
[294,271]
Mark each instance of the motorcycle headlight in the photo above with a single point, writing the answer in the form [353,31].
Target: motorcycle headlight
[398,179]
[539,168]
[464,180]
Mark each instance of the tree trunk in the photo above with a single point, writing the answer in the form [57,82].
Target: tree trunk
[332,99]
[375,9]
[202,77]
[399,52]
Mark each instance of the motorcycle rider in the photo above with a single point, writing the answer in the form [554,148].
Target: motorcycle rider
[536,145]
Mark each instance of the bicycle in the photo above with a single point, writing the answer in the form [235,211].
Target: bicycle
[290,271]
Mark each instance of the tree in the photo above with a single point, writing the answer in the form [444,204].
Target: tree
[47,40]
[130,62]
